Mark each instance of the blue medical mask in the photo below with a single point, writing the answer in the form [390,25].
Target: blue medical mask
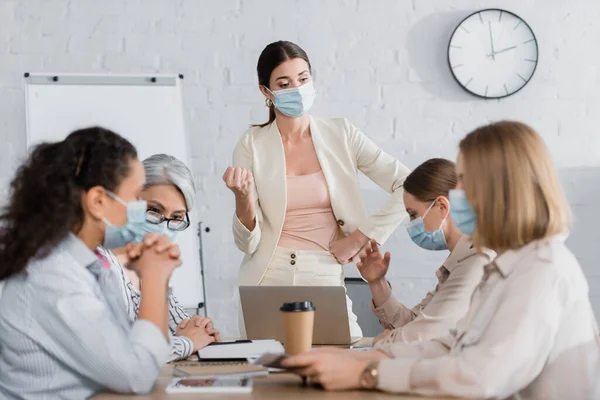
[295,102]
[161,229]
[461,212]
[133,231]
[428,240]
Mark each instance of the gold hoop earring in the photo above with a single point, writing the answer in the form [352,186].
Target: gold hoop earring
[268,102]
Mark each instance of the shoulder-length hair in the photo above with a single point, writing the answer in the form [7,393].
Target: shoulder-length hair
[510,180]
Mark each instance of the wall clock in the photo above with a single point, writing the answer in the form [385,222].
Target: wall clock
[493,53]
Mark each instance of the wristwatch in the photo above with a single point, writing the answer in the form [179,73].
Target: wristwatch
[370,376]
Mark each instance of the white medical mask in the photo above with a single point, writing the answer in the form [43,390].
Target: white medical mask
[461,212]
[133,231]
[161,229]
[427,240]
[294,102]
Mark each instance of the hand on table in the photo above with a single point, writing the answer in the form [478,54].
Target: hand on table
[201,322]
[346,248]
[334,369]
[197,330]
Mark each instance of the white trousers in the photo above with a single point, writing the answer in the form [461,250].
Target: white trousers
[308,268]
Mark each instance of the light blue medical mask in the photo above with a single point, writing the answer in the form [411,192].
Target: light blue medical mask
[294,102]
[461,212]
[161,229]
[428,240]
[133,231]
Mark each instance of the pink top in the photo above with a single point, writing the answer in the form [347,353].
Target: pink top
[309,221]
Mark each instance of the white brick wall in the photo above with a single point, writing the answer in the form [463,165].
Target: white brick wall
[379,62]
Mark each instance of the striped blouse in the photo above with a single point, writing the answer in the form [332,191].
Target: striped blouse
[64,332]
[181,346]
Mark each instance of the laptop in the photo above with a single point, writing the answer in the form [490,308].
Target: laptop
[263,320]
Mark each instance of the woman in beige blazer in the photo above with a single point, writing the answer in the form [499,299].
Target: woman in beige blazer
[530,332]
[299,208]
[426,199]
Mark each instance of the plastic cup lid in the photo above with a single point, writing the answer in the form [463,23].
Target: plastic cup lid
[298,306]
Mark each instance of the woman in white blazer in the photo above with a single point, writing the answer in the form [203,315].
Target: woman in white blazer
[299,209]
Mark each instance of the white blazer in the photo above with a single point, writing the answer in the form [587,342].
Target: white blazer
[342,150]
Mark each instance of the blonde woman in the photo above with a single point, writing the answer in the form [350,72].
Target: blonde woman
[299,210]
[530,332]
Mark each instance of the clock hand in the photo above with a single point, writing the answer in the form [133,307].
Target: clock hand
[503,50]
[491,41]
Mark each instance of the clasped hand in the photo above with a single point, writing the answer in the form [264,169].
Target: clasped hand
[199,330]
[156,256]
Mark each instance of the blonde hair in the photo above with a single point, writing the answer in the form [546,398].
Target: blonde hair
[510,181]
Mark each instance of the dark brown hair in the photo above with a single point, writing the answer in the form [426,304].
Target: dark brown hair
[271,57]
[434,178]
[45,195]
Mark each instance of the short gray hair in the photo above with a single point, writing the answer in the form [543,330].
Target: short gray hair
[163,169]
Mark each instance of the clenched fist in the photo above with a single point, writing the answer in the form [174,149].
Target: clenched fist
[239,181]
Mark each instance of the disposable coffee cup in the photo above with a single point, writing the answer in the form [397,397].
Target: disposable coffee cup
[298,322]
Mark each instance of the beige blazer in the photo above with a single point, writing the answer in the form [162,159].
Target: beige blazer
[342,150]
[442,308]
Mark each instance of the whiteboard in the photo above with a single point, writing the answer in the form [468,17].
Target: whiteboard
[147,110]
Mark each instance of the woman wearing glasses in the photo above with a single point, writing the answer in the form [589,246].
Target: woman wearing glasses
[170,194]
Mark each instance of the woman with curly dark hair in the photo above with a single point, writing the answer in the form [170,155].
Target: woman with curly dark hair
[64,329]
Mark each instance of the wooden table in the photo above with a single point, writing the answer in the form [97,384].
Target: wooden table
[277,386]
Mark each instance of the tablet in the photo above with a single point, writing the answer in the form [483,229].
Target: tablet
[210,384]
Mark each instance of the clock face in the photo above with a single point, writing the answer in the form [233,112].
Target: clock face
[493,53]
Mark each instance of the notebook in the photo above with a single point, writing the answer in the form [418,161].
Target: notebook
[239,350]
[195,368]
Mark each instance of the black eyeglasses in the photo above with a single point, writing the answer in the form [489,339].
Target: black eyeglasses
[173,224]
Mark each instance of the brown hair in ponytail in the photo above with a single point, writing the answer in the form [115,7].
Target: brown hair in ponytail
[271,57]
[434,178]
